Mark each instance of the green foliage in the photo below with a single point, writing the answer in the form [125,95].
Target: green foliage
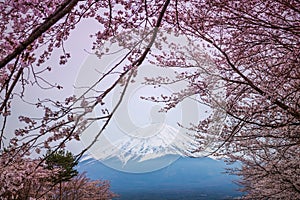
[64,162]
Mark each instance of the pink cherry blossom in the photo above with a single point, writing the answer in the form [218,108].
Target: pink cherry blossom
[249,49]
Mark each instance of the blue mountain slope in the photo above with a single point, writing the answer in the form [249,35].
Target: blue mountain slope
[186,178]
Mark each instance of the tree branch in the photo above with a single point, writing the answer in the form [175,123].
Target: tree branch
[60,12]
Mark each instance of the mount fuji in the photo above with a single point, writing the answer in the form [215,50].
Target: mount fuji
[185,178]
[145,144]
[155,163]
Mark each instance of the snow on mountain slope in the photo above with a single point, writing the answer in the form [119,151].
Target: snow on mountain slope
[166,141]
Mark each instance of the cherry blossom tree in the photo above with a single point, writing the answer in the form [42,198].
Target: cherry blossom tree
[248,50]
[23,178]
[27,179]
[257,57]
[81,187]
